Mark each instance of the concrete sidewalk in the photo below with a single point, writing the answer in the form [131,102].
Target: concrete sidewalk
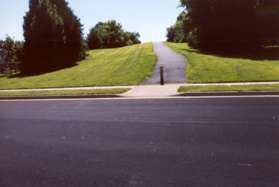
[153,91]
[145,90]
[169,90]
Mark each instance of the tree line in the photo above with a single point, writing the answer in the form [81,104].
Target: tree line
[53,38]
[227,25]
[53,34]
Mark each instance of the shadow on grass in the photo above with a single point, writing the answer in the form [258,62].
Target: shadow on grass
[40,71]
[265,53]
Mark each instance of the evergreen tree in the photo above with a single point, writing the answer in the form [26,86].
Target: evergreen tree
[53,36]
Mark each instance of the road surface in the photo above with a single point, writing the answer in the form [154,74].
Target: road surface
[174,65]
[157,143]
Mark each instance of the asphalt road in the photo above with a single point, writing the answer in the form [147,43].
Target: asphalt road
[172,142]
[174,65]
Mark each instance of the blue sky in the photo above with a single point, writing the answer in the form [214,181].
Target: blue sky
[148,17]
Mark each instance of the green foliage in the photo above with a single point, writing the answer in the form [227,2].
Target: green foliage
[268,17]
[222,24]
[11,51]
[178,32]
[110,35]
[104,67]
[237,24]
[53,36]
[10,55]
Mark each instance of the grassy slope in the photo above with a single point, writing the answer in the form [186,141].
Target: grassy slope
[107,67]
[63,93]
[191,89]
[210,68]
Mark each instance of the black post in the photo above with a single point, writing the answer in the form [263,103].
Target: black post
[162,75]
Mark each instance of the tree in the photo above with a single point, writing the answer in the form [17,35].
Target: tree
[179,31]
[268,16]
[96,36]
[11,51]
[110,34]
[219,24]
[132,38]
[10,55]
[53,36]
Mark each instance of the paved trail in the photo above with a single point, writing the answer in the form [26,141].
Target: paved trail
[173,63]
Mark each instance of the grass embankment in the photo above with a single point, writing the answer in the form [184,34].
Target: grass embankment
[106,67]
[205,68]
[95,92]
[233,88]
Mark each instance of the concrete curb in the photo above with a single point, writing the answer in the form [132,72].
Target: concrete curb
[240,93]
[63,97]
[113,96]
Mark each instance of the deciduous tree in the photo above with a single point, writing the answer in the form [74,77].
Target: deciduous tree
[110,34]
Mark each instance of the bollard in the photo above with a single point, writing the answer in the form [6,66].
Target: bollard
[162,75]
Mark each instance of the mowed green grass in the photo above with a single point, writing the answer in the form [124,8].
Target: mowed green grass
[203,68]
[223,88]
[106,67]
[64,93]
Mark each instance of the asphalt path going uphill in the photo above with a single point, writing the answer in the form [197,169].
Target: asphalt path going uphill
[174,65]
